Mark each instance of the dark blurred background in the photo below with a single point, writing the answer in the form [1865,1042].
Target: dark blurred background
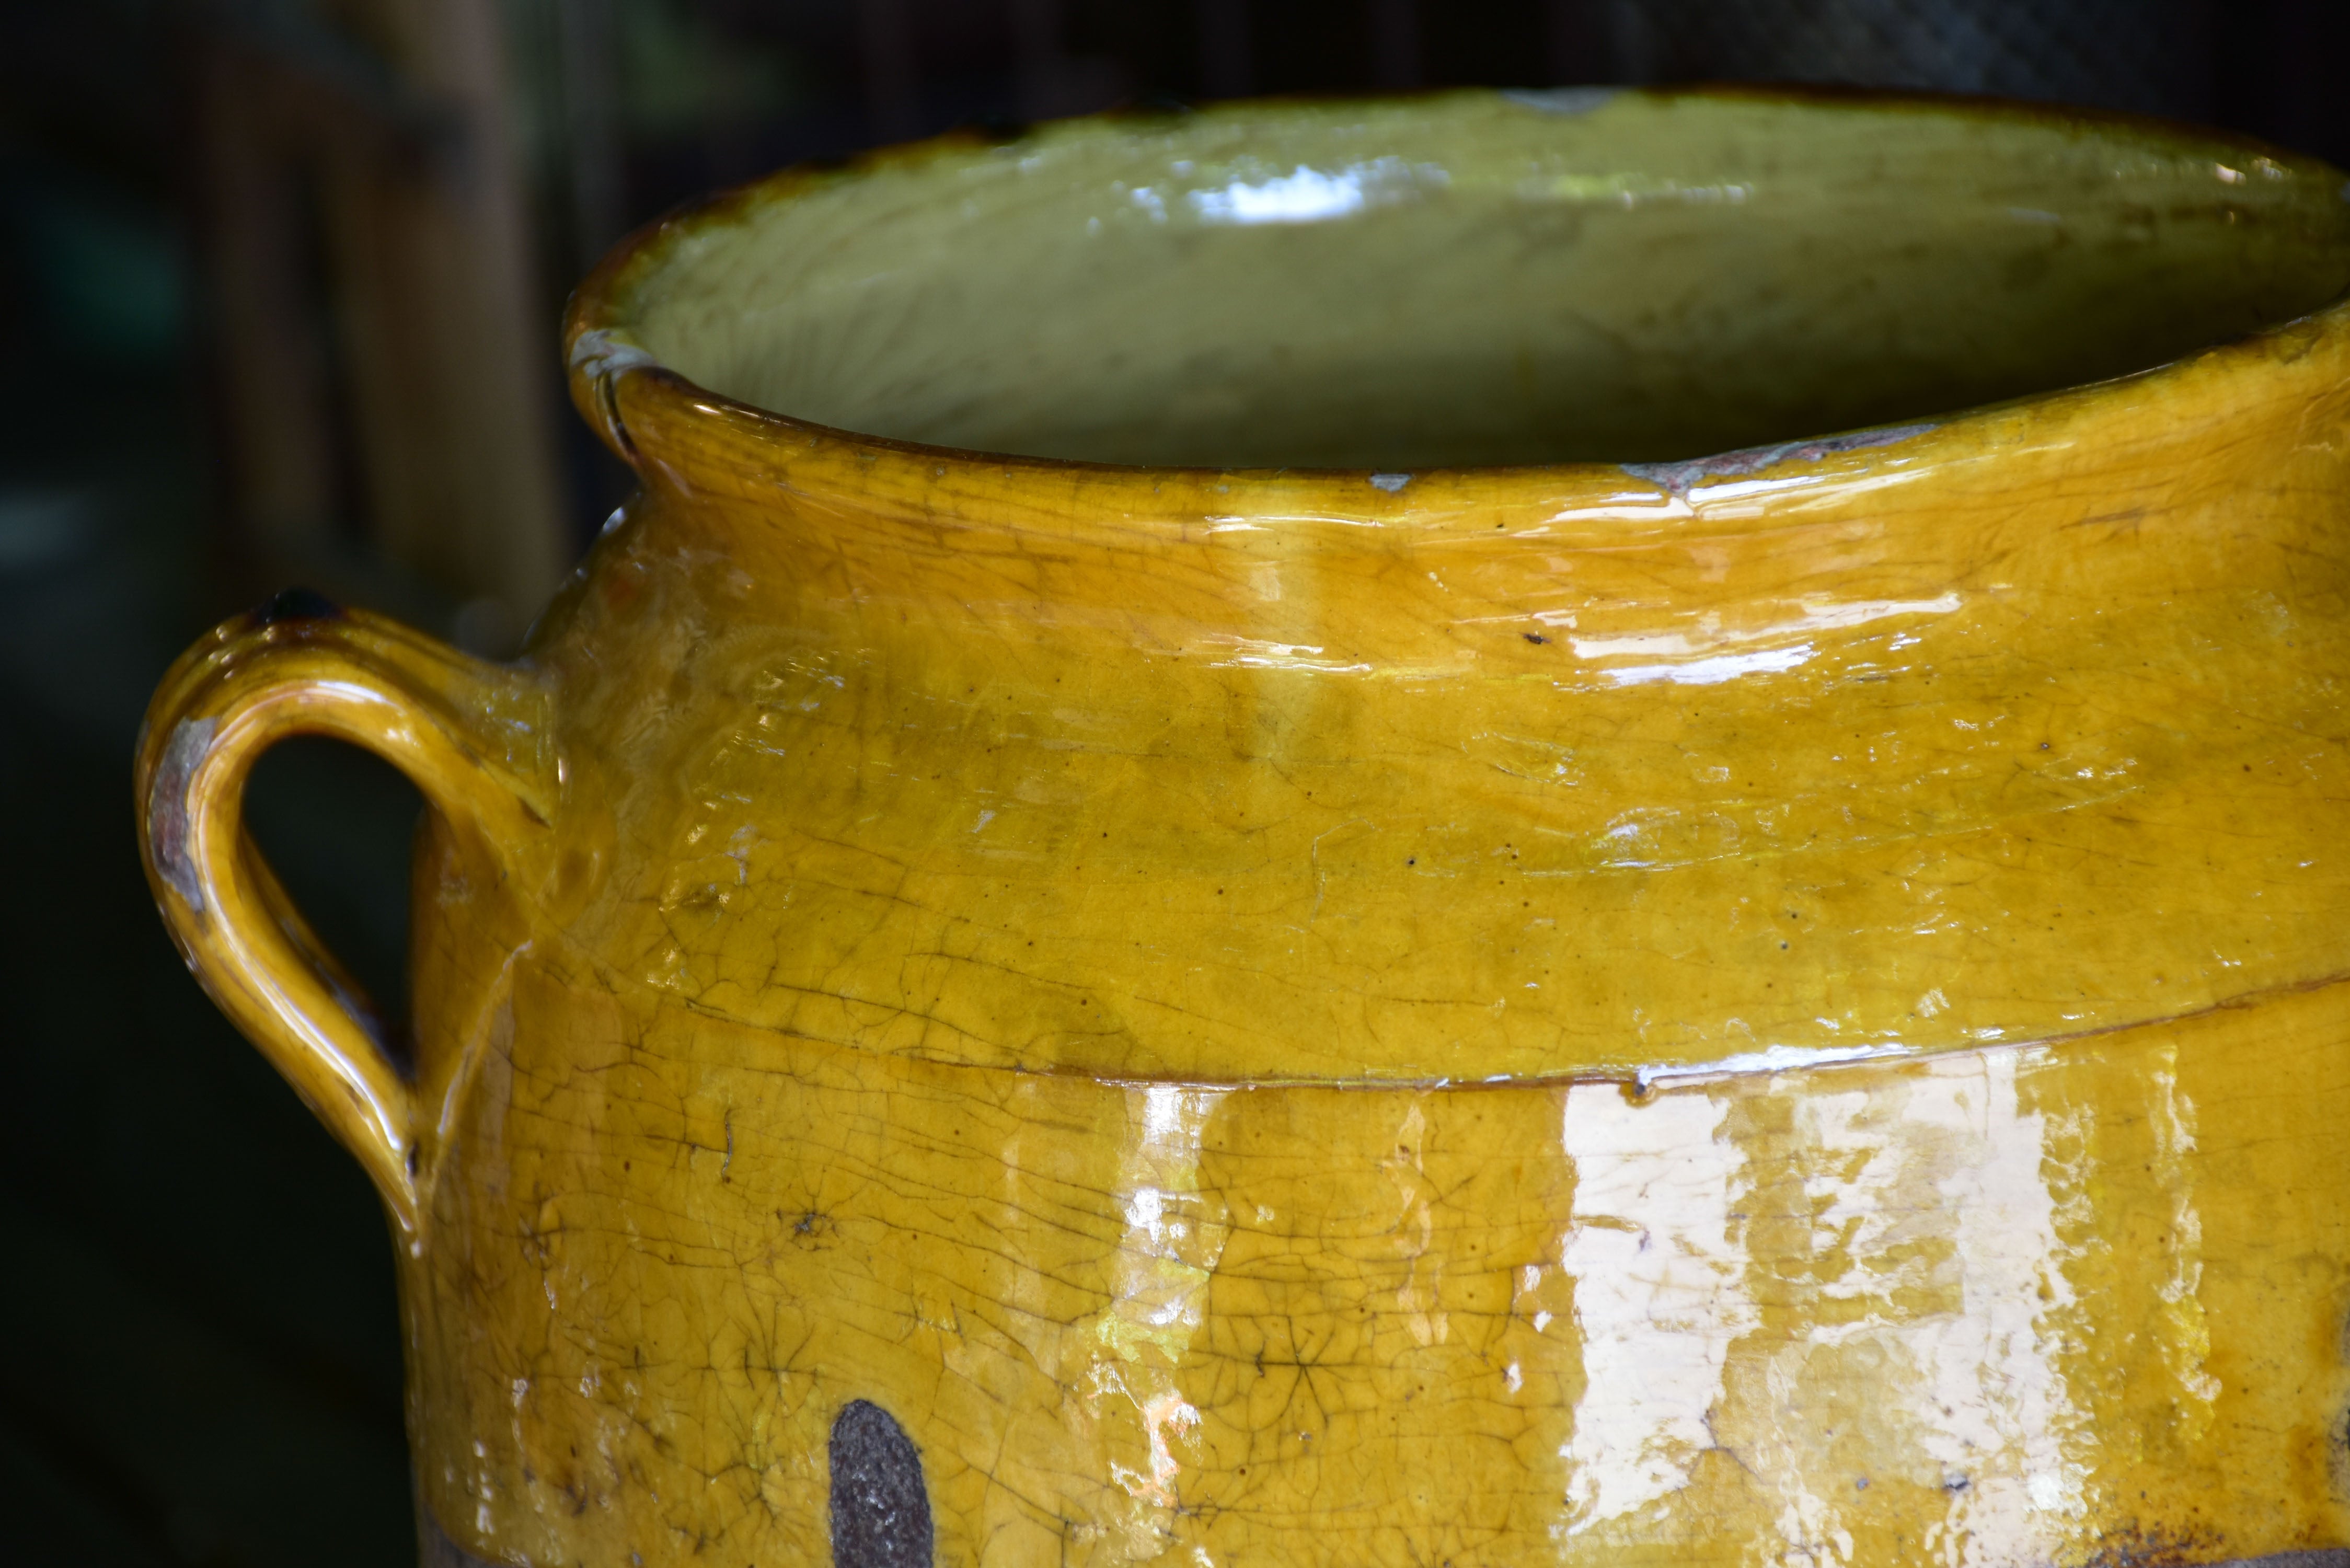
[279,286]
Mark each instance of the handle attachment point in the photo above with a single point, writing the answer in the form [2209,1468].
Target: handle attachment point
[472,737]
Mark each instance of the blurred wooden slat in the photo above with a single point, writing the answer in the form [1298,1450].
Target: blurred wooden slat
[1224,47]
[1577,35]
[596,175]
[274,420]
[892,84]
[1395,43]
[1049,82]
[1035,56]
[370,268]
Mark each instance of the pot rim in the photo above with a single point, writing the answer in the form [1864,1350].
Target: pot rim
[602,354]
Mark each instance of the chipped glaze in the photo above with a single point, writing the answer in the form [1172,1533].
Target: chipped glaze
[1780,1007]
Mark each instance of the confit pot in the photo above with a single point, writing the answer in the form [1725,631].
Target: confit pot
[1268,924]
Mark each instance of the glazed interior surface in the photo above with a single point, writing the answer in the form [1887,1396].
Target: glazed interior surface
[1484,278]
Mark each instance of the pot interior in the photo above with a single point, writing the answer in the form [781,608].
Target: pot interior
[1484,278]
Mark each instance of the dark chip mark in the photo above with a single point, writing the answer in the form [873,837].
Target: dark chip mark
[881,1505]
[297,604]
[1534,637]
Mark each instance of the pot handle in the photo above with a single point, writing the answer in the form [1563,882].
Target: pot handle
[469,733]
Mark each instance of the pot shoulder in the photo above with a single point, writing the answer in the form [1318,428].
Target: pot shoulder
[1991,741]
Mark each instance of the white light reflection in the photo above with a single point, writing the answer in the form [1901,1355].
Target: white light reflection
[1715,670]
[2187,1342]
[1306,195]
[1250,653]
[1812,616]
[1993,1409]
[1303,196]
[1682,488]
[1689,649]
[1928,1270]
[1904,1233]
[1628,190]
[1160,1280]
[1659,1291]
[1771,1059]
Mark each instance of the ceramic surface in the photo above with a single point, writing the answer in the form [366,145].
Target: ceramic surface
[1007,1008]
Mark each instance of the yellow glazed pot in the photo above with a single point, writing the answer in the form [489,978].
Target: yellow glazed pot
[1504,992]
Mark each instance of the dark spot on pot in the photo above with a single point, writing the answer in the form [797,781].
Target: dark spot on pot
[1534,637]
[881,1504]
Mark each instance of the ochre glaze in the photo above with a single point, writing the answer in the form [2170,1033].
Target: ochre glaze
[1780,1007]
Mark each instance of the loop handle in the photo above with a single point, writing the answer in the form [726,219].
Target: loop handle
[470,734]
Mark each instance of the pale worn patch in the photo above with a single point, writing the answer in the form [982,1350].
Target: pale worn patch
[167,808]
[1568,101]
[1679,478]
[602,353]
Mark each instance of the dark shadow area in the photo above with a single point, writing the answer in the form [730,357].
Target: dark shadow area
[206,1366]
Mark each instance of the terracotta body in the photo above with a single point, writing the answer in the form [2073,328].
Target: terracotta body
[1783,1007]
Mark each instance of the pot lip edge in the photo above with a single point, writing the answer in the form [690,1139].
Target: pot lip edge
[606,366]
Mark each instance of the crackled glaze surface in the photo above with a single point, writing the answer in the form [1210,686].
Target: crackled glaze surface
[1785,1006]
